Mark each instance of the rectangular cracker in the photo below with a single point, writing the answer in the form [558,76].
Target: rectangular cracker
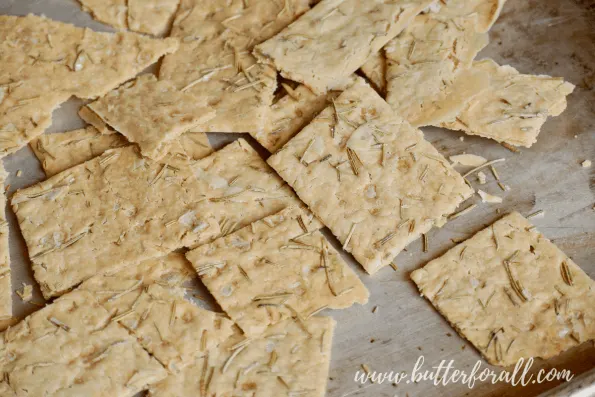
[214,61]
[147,298]
[370,177]
[291,358]
[58,152]
[375,70]
[293,112]
[428,62]
[44,62]
[151,113]
[5,279]
[512,293]
[513,108]
[335,38]
[121,208]
[276,267]
[70,348]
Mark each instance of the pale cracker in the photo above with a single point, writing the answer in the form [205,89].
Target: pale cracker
[45,62]
[90,218]
[60,151]
[151,113]
[291,358]
[70,348]
[383,184]
[512,293]
[424,65]
[514,107]
[335,38]
[147,298]
[487,11]
[375,70]
[214,61]
[5,279]
[276,267]
[293,112]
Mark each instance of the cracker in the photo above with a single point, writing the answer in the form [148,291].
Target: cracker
[335,38]
[487,11]
[293,112]
[291,359]
[110,12]
[512,293]
[427,63]
[91,218]
[375,70]
[214,61]
[514,107]
[90,117]
[5,280]
[151,16]
[370,177]
[70,348]
[45,62]
[276,267]
[151,113]
[148,300]
[60,151]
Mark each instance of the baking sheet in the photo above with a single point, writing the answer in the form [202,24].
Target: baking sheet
[555,37]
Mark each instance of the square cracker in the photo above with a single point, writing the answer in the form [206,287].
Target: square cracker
[512,293]
[147,298]
[276,267]
[71,348]
[370,177]
[44,62]
[90,218]
[513,108]
[151,113]
[5,280]
[428,62]
[290,359]
[293,112]
[335,38]
[214,60]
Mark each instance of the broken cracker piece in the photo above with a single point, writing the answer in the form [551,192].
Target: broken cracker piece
[106,205]
[375,70]
[512,293]
[110,12]
[5,279]
[427,65]
[514,107]
[215,61]
[45,62]
[335,38]
[147,298]
[70,348]
[370,177]
[275,269]
[151,113]
[469,160]
[487,11]
[488,198]
[291,358]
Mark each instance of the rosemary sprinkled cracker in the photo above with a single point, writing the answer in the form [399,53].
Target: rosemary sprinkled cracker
[288,359]
[60,151]
[383,186]
[100,210]
[272,269]
[511,289]
[293,112]
[335,38]
[215,62]
[151,113]
[514,107]
[45,62]
[143,16]
[5,279]
[148,300]
[70,348]
[375,70]
[427,66]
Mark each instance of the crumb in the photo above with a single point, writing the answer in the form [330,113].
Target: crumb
[26,294]
[19,172]
[586,163]
[481,178]
[462,138]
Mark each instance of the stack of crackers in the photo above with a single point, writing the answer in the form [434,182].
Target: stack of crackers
[138,203]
